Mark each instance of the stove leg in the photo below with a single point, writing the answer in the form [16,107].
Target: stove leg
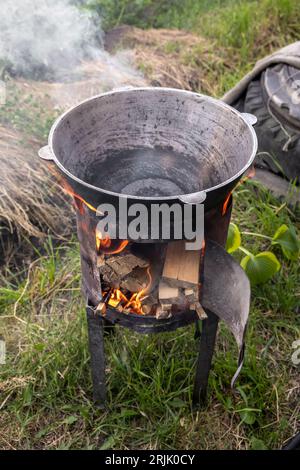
[206,350]
[197,330]
[97,354]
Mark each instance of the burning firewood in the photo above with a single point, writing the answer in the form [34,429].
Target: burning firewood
[172,284]
[116,267]
[135,281]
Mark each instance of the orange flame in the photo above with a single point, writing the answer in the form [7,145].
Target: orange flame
[134,303]
[249,175]
[225,203]
[72,193]
[67,188]
[107,246]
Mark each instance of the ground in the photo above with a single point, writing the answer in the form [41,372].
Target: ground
[45,386]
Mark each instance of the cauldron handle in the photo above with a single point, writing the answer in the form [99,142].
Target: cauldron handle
[45,153]
[193,198]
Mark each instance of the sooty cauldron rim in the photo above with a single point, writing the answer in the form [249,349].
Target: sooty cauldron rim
[247,118]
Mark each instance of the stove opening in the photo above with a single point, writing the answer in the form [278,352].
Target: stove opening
[153,279]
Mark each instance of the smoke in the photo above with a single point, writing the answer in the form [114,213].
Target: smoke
[54,40]
[45,35]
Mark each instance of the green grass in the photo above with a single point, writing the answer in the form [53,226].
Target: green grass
[240,24]
[153,13]
[246,26]
[240,31]
[252,27]
[24,112]
[46,387]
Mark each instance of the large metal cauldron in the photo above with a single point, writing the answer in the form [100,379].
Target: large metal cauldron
[152,145]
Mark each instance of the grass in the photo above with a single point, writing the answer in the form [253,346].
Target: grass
[25,113]
[242,31]
[46,387]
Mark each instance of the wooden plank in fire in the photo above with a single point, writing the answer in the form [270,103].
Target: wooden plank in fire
[167,294]
[181,268]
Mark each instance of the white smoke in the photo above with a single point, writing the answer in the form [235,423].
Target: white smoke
[51,39]
[37,34]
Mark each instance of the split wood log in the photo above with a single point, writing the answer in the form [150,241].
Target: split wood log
[149,304]
[181,268]
[167,294]
[163,311]
[146,309]
[197,307]
[135,281]
[192,295]
[117,267]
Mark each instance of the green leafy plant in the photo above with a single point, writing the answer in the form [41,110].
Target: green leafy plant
[234,238]
[257,444]
[262,266]
[247,414]
[288,241]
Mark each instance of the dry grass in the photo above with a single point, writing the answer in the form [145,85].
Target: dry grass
[89,79]
[30,204]
[171,58]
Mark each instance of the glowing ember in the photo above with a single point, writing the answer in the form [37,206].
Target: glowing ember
[134,303]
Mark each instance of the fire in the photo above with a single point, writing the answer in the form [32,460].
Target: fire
[134,303]
[67,188]
[225,203]
[250,174]
[76,196]
[201,263]
[106,246]
[115,297]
